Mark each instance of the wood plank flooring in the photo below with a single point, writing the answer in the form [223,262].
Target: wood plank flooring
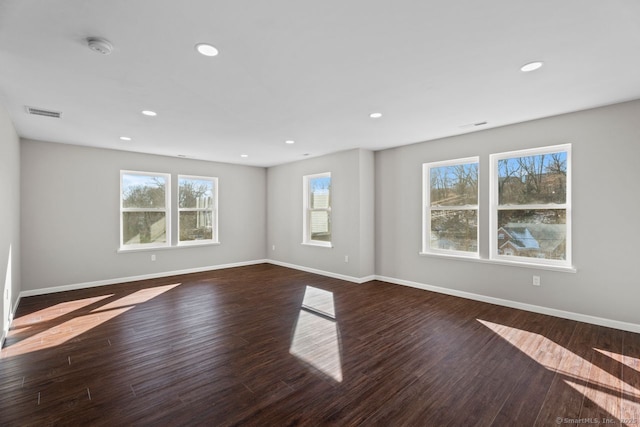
[270,346]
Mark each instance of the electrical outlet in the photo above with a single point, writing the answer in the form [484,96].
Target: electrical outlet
[346,258]
[536,280]
[273,247]
[153,257]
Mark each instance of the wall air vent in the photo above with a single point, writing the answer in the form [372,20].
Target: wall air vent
[45,113]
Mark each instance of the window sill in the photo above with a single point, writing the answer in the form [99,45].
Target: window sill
[164,248]
[196,243]
[503,262]
[318,244]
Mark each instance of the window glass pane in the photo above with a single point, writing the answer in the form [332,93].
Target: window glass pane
[196,225]
[540,233]
[455,185]
[538,179]
[454,230]
[195,193]
[319,192]
[320,226]
[143,191]
[143,227]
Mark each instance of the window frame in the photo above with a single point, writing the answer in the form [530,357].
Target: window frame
[427,209]
[306,210]
[213,209]
[166,210]
[495,207]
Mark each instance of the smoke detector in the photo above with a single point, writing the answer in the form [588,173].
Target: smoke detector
[100,45]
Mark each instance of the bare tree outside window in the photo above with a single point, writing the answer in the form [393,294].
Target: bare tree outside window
[533,205]
[451,206]
[143,209]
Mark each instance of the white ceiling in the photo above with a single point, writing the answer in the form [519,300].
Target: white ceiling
[310,71]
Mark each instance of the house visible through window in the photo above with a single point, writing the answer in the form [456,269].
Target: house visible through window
[197,209]
[450,215]
[144,216]
[317,209]
[531,206]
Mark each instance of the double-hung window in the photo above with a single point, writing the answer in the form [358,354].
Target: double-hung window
[450,211]
[317,209]
[531,206]
[144,214]
[197,209]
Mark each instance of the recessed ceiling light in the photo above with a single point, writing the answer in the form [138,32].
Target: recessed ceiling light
[289,141]
[206,49]
[375,115]
[531,66]
[125,138]
[149,113]
[244,156]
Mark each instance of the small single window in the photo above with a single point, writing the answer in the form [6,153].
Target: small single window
[317,209]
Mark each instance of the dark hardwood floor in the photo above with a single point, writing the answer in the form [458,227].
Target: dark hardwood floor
[269,346]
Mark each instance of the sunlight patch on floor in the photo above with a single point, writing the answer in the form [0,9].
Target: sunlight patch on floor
[60,333]
[320,301]
[51,313]
[316,338]
[138,297]
[586,378]
[631,362]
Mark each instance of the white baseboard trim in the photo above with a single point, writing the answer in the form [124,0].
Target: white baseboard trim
[8,325]
[322,272]
[616,324]
[96,283]
[4,334]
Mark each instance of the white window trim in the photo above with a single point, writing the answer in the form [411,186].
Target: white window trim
[426,209]
[494,208]
[166,210]
[512,263]
[306,212]
[214,212]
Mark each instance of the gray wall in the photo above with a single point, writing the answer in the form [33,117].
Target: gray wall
[69,225]
[606,226]
[70,215]
[351,213]
[9,217]
[367,213]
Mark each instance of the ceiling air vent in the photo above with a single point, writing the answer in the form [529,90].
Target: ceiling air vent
[471,125]
[45,113]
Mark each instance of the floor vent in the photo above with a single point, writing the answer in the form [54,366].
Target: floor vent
[45,113]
